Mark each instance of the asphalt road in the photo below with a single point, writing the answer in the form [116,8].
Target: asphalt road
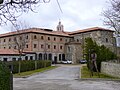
[64,77]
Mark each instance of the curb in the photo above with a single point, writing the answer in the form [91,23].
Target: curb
[34,73]
[98,79]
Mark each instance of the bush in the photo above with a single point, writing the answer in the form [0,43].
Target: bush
[28,65]
[6,79]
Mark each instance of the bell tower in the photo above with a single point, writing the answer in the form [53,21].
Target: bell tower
[60,27]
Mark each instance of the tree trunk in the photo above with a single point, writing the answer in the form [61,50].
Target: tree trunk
[19,69]
[35,64]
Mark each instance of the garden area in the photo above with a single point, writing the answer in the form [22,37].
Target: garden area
[95,54]
[85,74]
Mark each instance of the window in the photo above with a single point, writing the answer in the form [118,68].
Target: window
[61,47]
[35,45]
[42,46]
[59,57]
[40,56]
[4,40]
[26,57]
[13,59]
[54,46]
[106,40]
[14,47]
[48,46]
[35,37]
[27,37]
[31,57]
[5,59]
[9,47]
[63,57]
[42,37]
[45,56]
[27,46]
[60,39]
[48,38]
[50,56]
[54,39]
[9,39]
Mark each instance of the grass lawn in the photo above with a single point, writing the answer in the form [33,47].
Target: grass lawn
[86,74]
[24,74]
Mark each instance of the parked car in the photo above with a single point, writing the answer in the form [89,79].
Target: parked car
[69,62]
[66,62]
[83,61]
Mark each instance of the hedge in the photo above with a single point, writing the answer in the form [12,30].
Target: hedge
[6,79]
[28,65]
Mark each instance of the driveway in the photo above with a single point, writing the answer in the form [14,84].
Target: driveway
[64,77]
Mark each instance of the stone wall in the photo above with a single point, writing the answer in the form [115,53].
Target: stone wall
[74,52]
[112,69]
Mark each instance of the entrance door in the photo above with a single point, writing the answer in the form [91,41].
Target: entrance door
[63,57]
[55,59]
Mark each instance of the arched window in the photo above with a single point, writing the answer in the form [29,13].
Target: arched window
[26,57]
[59,57]
[45,56]
[50,56]
[40,56]
[63,57]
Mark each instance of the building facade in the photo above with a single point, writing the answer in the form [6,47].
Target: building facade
[47,44]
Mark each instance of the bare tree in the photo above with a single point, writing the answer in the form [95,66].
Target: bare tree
[112,18]
[10,10]
[112,15]
[20,40]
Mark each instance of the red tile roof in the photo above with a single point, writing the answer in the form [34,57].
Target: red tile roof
[90,29]
[51,32]
[8,52]
[36,30]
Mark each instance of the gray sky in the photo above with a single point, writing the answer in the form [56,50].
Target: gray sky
[77,14]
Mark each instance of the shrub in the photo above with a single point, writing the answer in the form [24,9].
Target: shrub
[28,65]
[6,79]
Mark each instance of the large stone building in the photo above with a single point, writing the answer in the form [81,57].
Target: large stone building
[47,44]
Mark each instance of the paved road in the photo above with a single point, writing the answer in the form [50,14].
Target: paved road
[62,78]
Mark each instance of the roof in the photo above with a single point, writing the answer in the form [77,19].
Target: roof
[51,32]
[36,30]
[89,30]
[8,52]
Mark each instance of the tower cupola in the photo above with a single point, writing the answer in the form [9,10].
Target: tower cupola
[60,27]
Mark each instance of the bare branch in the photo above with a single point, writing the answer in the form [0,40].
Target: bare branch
[10,10]
[20,39]
[112,15]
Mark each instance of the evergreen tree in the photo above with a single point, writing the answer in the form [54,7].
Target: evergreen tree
[103,53]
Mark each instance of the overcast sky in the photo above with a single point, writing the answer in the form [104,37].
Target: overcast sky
[75,15]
